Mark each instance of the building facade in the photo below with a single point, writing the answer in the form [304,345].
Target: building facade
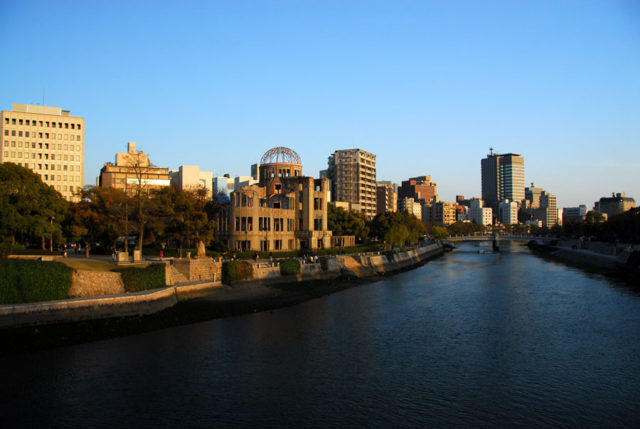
[48,141]
[540,206]
[352,173]
[502,178]
[419,188]
[508,212]
[614,205]
[480,214]
[410,206]
[284,211]
[574,214]
[386,198]
[440,212]
[132,172]
[190,178]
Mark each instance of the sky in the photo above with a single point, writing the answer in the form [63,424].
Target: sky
[427,86]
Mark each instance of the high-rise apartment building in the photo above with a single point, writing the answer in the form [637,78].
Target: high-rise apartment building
[539,205]
[47,140]
[502,178]
[386,197]
[420,188]
[352,173]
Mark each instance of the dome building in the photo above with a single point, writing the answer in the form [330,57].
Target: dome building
[284,211]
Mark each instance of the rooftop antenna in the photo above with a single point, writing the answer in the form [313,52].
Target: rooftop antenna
[490,151]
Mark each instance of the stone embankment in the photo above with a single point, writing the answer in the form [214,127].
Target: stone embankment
[609,256]
[189,279]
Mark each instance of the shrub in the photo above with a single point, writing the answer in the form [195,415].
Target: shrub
[289,267]
[139,279]
[31,281]
[236,270]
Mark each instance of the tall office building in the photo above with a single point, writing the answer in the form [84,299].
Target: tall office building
[502,178]
[47,140]
[352,173]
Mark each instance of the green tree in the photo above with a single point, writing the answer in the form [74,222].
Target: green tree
[342,222]
[438,232]
[182,218]
[29,209]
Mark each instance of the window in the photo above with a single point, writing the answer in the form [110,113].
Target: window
[27,122]
[73,126]
[290,244]
[78,138]
[71,137]
[290,225]
[46,145]
[276,205]
[26,133]
[278,224]
[79,126]
[20,122]
[19,133]
[53,125]
[237,223]
[13,144]
[59,124]
[40,135]
[13,133]
[13,121]
[243,222]
[317,203]
[250,223]
[46,135]
[6,154]
[277,244]
[317,224]
[6,143]
[6,132]
[19,144]
[264,245]
[66,125]
[65,167]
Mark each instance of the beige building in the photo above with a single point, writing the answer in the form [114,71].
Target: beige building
[439,212]
[386,198]
[48,141]
[284,211]
[132,170]
[352,173]
[190,178]
[410,206]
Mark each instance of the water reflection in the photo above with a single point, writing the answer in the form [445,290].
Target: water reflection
[470,339]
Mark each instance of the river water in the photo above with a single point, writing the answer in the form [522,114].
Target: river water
[468,340]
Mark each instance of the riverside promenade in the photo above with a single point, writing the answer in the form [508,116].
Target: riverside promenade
[337,269]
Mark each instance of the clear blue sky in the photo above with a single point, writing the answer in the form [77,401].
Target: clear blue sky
[426,86]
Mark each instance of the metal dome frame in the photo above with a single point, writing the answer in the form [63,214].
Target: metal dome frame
[280,154]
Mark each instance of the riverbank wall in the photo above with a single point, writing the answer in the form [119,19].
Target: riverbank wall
[591,254]
[358,266]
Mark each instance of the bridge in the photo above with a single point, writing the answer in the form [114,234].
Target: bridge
[489,237]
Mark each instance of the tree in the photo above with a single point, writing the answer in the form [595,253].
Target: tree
[342,222]
[29,208]
[182,217]
[438,232]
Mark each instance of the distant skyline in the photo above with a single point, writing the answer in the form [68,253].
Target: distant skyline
[426,86]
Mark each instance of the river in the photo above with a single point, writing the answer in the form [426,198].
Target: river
[467,340]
